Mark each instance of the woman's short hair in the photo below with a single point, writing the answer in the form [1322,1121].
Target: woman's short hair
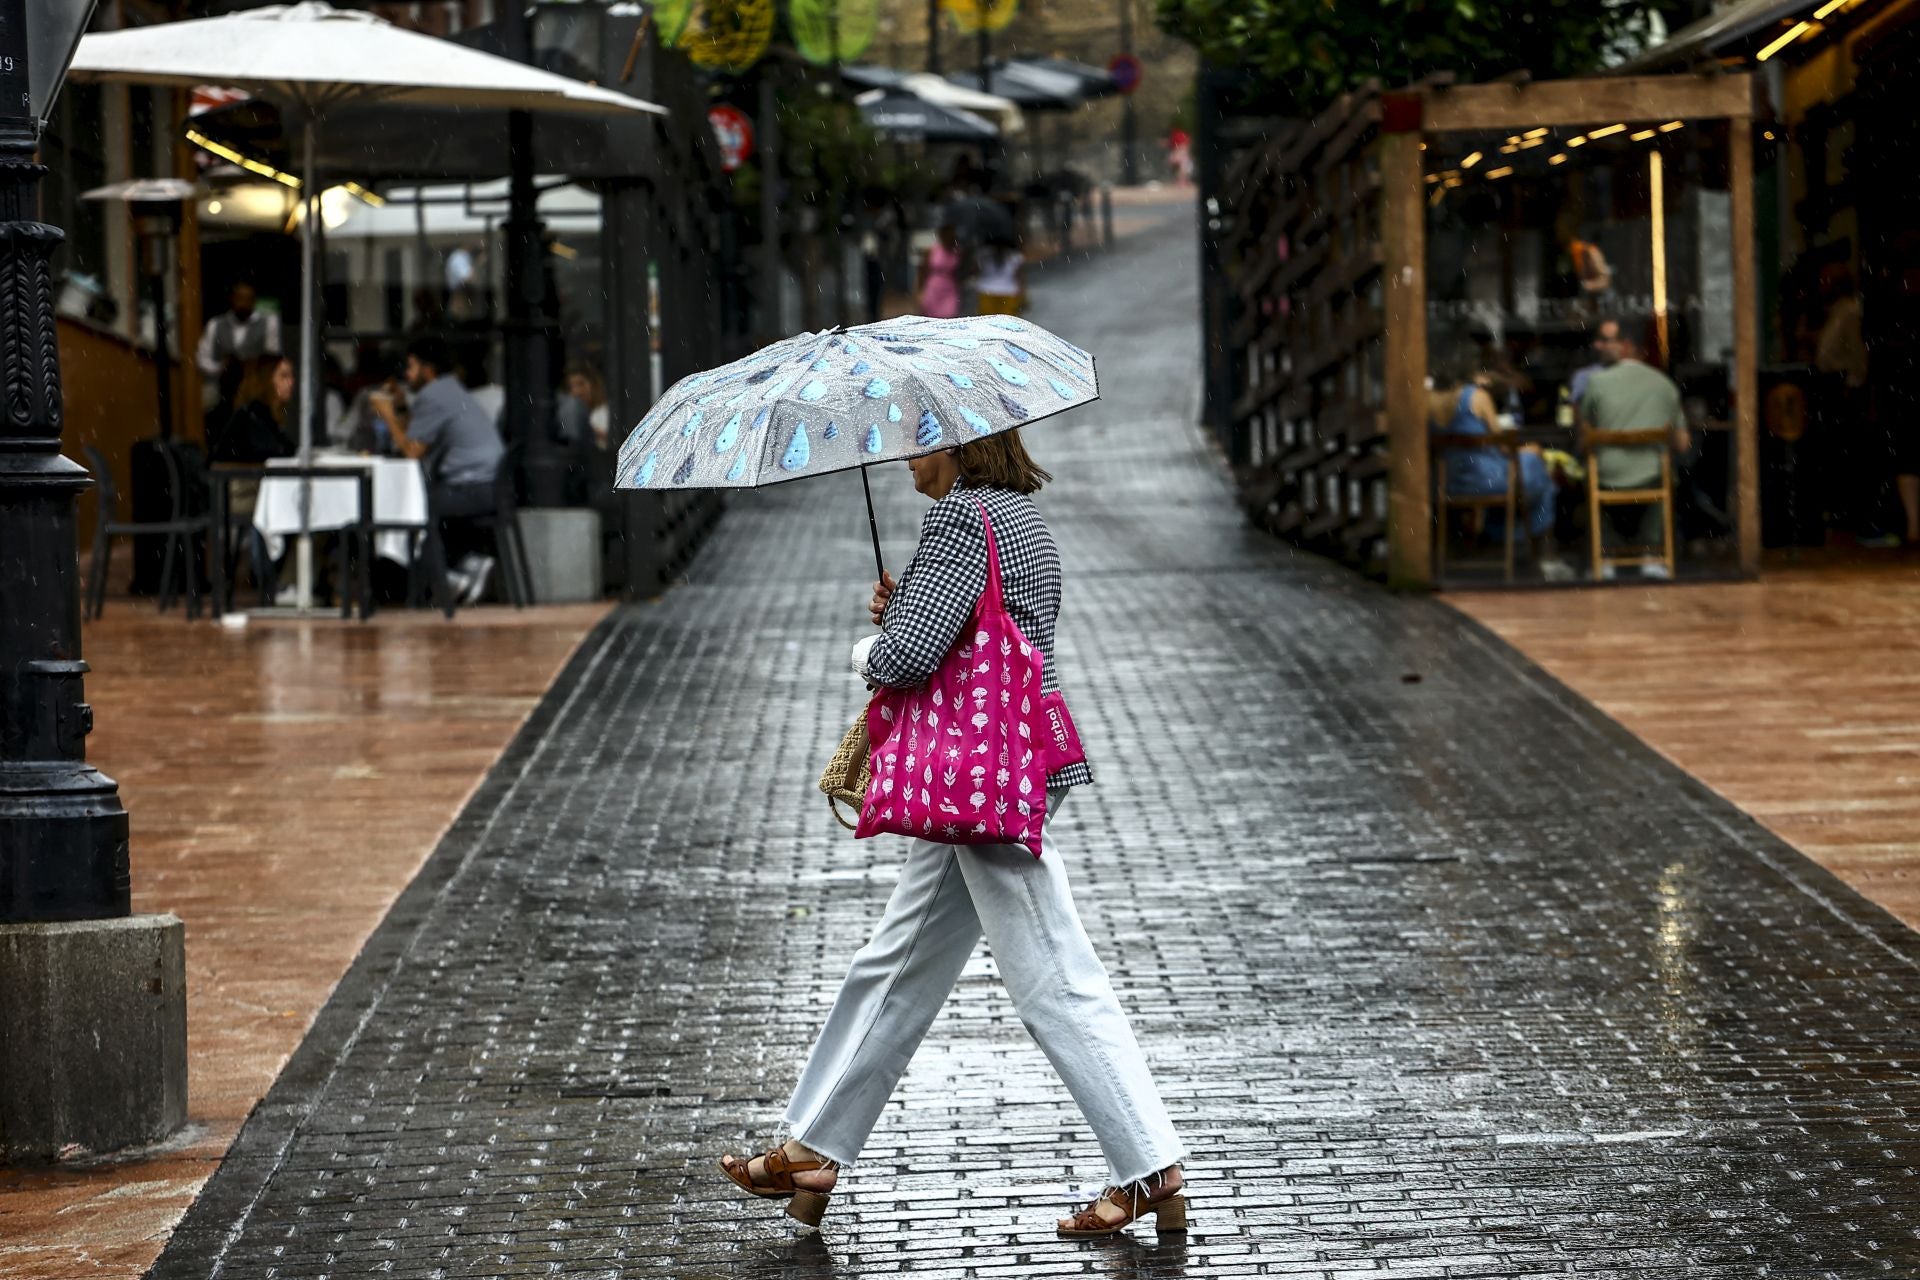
[1000,461]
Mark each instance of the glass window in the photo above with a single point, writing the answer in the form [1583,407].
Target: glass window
[1538,239]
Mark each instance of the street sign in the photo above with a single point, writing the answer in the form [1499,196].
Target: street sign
[1127,72]
[735,131]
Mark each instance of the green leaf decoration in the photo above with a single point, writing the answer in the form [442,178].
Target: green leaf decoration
[829,31]
[670,19]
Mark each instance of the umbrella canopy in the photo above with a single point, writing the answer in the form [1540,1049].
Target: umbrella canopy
[1033,87]
[1095,82]
[464,211]
[871,76]
[1004,113]
[906,117]
[834,400]
[315,57]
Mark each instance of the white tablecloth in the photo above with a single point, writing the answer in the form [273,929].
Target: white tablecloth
[399,497]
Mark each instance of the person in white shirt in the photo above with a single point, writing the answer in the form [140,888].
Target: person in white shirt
[1001,280]
[237,335]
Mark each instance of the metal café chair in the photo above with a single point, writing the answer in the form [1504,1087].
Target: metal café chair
[510,551]
[180,530]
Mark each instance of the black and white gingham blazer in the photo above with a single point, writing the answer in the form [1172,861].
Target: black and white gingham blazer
[936,592]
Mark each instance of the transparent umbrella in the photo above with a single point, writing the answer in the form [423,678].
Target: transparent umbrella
[845,398]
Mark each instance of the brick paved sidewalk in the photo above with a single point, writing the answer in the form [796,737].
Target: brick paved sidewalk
[1442,973]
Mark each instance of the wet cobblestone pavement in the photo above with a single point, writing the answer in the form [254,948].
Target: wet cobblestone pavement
[1441,973]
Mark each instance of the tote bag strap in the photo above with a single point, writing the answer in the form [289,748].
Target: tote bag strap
[991,599]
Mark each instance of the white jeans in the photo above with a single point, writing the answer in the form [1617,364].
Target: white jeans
[946,895]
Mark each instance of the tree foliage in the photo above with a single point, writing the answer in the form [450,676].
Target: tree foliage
[1304,53]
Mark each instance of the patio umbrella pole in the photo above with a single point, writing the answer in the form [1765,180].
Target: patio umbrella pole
[309,361]
[873,527]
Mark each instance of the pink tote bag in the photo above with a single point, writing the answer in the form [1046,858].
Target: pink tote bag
[964,758]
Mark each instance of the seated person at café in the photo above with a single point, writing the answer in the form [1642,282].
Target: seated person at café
[1457,405]
[255,428]
[252,427]
[1606,354]
[443,418]
[1631,395]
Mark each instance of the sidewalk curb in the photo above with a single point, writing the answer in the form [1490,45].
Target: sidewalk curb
[220,1213]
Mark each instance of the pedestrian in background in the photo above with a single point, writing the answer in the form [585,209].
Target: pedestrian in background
[942,267]
[949,895]
[1000,277]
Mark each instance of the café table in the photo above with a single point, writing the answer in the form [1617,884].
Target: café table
[381,501]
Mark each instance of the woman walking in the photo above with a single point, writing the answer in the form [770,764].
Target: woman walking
[949,895]
[942,267]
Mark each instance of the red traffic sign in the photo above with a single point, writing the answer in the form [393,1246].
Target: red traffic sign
[735,132]
[1127,72]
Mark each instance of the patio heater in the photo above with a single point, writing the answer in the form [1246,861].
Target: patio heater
[157,209]
[93,997]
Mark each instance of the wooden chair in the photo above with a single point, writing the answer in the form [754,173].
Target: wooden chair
[1445,504]
[1662,497]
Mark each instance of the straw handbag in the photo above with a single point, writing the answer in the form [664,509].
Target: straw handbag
[846,775]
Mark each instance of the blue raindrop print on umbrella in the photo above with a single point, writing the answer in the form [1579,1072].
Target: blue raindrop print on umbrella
[943,382]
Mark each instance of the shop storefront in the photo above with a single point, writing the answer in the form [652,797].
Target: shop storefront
[1838,261]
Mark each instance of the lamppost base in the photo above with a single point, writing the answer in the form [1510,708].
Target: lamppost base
[63,842]
[93,1035]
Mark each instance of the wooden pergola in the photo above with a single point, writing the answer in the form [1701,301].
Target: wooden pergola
[1409,118]
[1318,309]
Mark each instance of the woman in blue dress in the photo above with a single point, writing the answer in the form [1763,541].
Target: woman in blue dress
[1458,406]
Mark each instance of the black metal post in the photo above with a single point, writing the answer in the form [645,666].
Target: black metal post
[1129,145]
[63,832]
[772,268]
[529,380]
[155,222]
[933,36]
[1216,300]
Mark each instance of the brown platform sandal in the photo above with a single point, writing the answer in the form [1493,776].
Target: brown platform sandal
[805,1206]
[1168,1205]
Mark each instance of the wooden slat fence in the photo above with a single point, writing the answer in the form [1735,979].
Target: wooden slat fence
[1301,252]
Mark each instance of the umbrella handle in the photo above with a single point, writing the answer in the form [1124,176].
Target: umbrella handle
[873,527]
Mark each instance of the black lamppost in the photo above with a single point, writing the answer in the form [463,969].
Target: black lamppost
[63,834]
[92,998]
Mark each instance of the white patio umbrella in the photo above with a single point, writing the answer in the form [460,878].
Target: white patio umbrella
[312,58]
[1003,112]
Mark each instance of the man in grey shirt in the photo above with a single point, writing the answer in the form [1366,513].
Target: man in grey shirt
[445,417]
